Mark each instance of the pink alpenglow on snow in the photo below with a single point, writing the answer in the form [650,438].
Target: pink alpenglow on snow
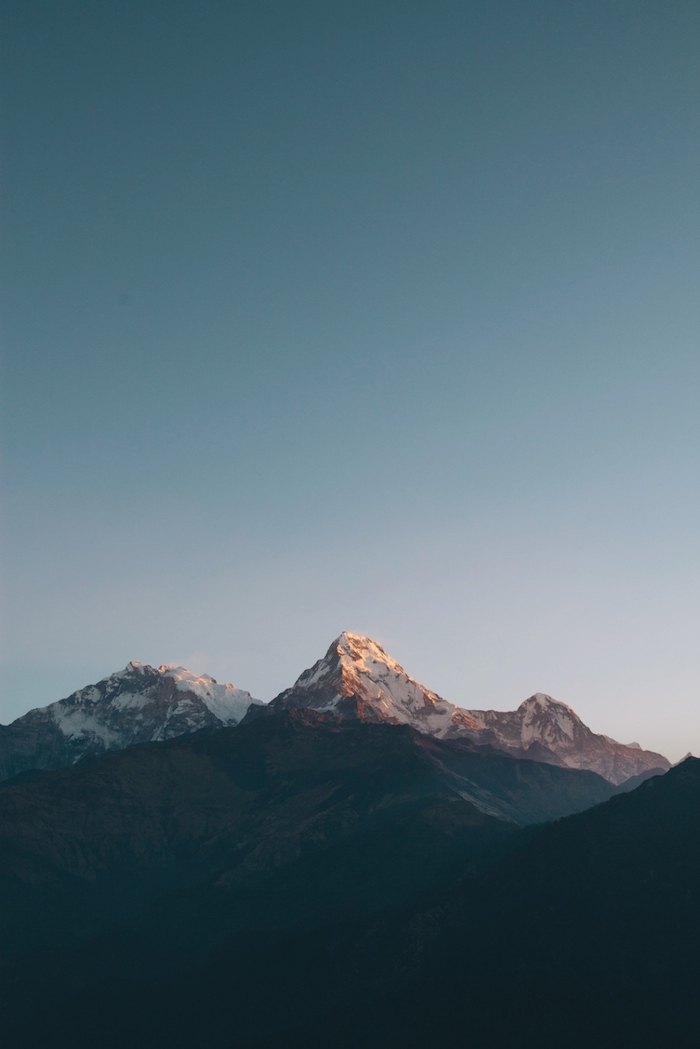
[356,678]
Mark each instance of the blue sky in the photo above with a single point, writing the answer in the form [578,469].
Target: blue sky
[380,317]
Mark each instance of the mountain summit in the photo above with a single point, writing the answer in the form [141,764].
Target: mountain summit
[547,730]
[140,704]
[357,679]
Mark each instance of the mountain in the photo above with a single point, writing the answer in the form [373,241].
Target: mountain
[306,881]
[547,730]
[136,705]
[150,859]
[357,679]
[585,936]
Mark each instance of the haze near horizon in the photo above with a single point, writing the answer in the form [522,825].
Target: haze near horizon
[379,317]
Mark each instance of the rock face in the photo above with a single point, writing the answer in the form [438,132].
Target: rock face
[357,679]
[139,704]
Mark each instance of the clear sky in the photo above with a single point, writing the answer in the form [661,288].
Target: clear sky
[379,316]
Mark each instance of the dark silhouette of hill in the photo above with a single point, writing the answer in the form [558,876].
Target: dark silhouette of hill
[138,866]
[585,935]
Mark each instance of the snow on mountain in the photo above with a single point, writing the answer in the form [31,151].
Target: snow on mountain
[139,704]
[356,678]
[548,730]
[226,702]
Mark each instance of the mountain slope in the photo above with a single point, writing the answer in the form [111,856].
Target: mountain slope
[585,936]
[136,705]
[357,679]
[226,811]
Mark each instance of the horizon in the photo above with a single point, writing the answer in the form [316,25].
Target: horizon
[381,315]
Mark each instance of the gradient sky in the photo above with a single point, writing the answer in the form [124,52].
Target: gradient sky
[371,316]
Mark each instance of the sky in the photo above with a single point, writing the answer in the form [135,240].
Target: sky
[369,316]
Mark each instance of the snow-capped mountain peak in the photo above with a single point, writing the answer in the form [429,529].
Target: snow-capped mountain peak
[357,678]
[545,729]
[138,704]
[542,709]
[351,655]
[541,701]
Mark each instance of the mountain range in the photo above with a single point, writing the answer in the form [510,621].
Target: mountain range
[358,862]
[305,880]
[356,679]
[234,807]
